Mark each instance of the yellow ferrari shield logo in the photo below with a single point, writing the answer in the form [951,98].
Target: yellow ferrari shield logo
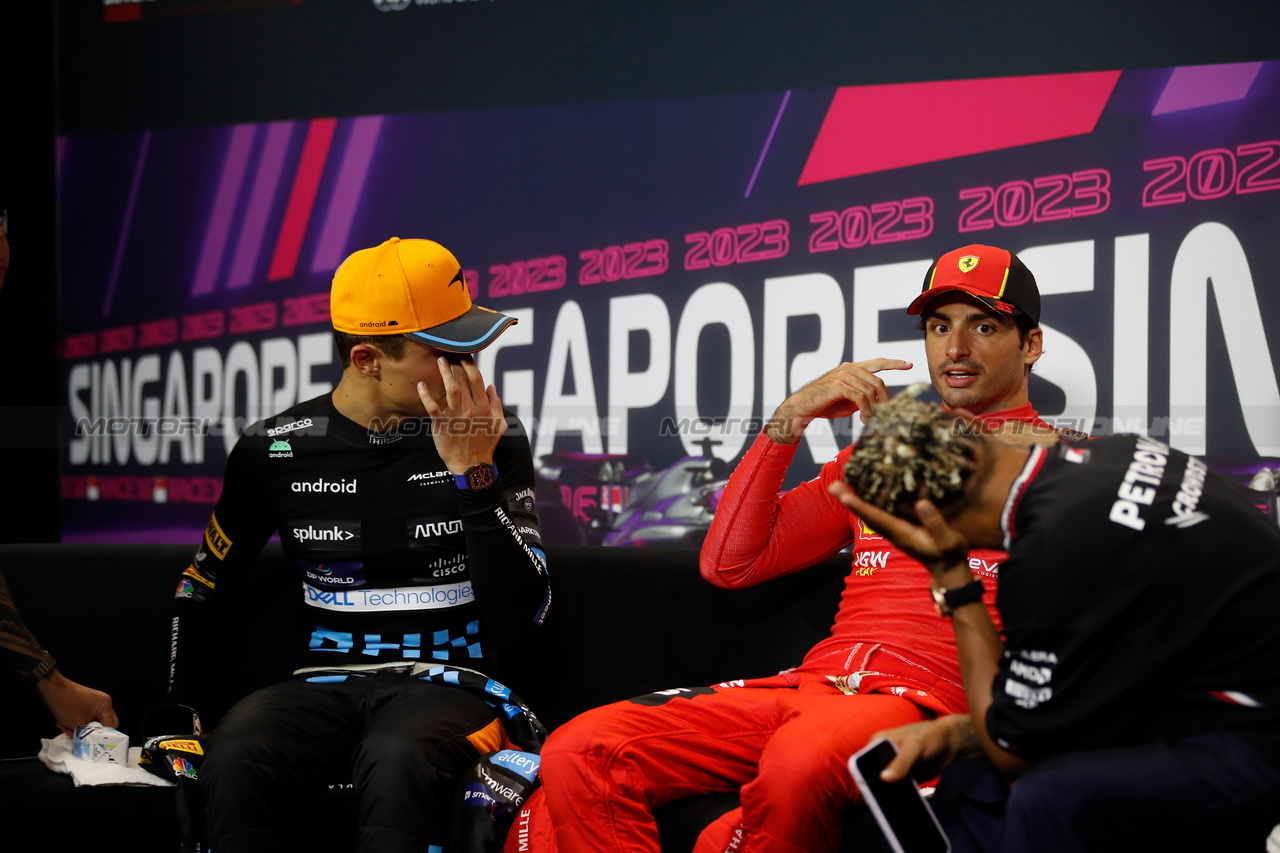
[968,262]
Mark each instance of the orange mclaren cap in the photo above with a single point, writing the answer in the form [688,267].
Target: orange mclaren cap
[993,276]
[414,288]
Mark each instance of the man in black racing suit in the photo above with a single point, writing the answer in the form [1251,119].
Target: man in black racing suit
[416,545]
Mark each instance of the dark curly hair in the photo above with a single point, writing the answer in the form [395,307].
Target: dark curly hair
[908,451]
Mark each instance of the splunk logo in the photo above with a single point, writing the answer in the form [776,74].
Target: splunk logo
[322,485]
[327,535]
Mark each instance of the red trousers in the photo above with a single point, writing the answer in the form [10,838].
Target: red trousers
[786,749]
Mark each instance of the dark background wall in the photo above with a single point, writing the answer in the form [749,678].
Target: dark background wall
[168,63]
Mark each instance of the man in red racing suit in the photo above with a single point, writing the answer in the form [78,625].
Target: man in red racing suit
[784,740]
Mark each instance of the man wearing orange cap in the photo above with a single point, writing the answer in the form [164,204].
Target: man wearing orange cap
[783,740]
[405,501]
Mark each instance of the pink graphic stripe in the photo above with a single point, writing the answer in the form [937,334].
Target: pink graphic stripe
[128,220]
[224,207]
[873,128]
[777,119]
[266,183]
[315,151]
[346,194]
[1202,85]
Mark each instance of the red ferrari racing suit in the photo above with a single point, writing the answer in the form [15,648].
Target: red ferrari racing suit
[784,740]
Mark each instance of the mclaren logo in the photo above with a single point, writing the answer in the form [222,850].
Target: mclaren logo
[967,263]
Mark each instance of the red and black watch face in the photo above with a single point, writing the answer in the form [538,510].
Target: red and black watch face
[481,476]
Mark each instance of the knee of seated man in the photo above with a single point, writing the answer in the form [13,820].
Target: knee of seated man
[1054,793]
[231,752]
[602,734]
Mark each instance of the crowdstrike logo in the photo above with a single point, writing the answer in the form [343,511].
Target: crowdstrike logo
[323,485]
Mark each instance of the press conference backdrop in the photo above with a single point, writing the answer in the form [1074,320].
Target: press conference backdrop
[678,265]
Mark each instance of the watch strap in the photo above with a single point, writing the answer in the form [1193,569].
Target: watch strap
[477,477]
[43,669]
[947,600]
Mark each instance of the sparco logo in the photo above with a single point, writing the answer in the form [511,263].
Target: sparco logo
[302,424]
[323,485]
[314,534]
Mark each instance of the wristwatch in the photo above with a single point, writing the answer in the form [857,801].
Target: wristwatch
[947,600]
[477,477]
[42,670]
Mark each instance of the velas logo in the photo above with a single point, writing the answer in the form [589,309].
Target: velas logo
[968,262]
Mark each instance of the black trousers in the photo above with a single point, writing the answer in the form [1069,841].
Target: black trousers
[1161,796]
[401,743]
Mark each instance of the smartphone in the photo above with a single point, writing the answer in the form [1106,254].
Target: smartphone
[903,813]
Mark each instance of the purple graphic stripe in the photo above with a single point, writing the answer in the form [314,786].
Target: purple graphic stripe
[224,207]
[266,183]
[776,121]
[124,227]
[1194,86]
[352,175]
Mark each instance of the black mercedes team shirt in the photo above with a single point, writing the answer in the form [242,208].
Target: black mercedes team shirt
[393,561]
[1139,602]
